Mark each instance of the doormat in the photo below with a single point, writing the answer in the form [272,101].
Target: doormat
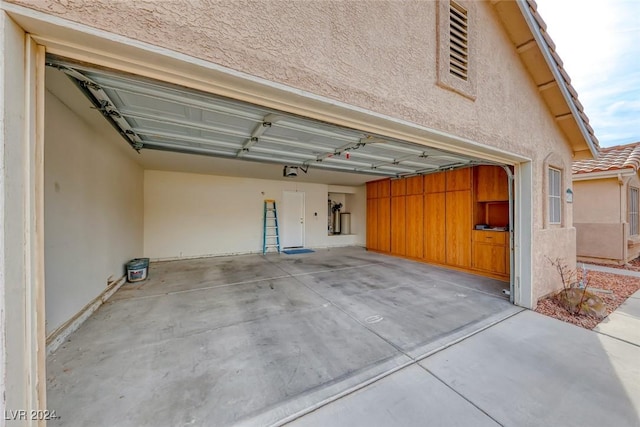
[297,251]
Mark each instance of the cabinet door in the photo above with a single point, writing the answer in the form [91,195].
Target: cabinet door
[372,190]
[434,183]
[488,257]
[372,224]
[492,184]
[414,220]
[415,185]
[458,228]
[398,225]
[384,188]
[458,179]
[384,224]
[398,187]
[434,227]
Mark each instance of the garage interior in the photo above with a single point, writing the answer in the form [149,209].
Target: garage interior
[219,331]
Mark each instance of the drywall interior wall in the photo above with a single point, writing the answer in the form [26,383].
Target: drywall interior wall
[191,215]
[93,211]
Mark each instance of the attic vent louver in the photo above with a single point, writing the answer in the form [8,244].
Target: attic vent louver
[458,36]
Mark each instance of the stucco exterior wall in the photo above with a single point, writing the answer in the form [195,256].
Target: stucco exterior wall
[557,244]
[191,215]
[342,50]
[380,58]
[604,242]
[601,219]
[93,211]
[597,201]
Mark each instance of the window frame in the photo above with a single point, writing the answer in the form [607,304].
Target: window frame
[633,216]
[555,200]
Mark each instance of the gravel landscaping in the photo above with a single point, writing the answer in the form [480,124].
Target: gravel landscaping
[614,289]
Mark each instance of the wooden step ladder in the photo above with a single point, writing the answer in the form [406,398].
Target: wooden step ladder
[271,233]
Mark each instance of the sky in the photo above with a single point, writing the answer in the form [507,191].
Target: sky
[599,43]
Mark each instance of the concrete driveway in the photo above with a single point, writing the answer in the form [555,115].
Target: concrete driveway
[257,339]
[528,370]
[336,337]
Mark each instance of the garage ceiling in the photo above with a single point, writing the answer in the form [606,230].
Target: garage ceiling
[156,116]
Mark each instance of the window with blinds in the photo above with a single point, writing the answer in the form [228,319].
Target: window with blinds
[555,196]
[633,211]
[459,42]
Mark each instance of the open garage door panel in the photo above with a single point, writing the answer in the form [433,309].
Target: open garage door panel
[155,116]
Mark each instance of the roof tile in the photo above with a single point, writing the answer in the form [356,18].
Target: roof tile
[611,158]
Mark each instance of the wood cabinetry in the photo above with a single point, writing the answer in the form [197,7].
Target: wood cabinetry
[384,188]
[372,190]
[458,228]
[458,179]
[492,184]
[434,183]
[398,187]
[434,227]
[379,215]
[491,251]
[432,218]
[415,185]
[384,224]
[414,218]
[398,225]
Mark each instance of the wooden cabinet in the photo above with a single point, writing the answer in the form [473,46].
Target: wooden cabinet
[491,252]
[372,190]
[384,224]
[398,225]
[415,185]
[414,218]
[398,187]
[384,188]
[458,228]
[432,218]
[434,227]
[435,183]
[492,184]
[458,179]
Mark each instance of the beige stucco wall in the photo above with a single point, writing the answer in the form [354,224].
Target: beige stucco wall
[601,219]
[93,211]
[190,215]
[605,242]
[600,228]
[597,201]
[380,58]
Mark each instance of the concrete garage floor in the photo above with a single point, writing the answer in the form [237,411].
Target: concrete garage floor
[258,339]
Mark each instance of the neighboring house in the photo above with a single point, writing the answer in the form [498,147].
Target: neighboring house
[391,90]
[605,210]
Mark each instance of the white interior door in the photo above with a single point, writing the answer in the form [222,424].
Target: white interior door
[292,219]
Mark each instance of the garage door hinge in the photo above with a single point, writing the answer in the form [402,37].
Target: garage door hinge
[90,85]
